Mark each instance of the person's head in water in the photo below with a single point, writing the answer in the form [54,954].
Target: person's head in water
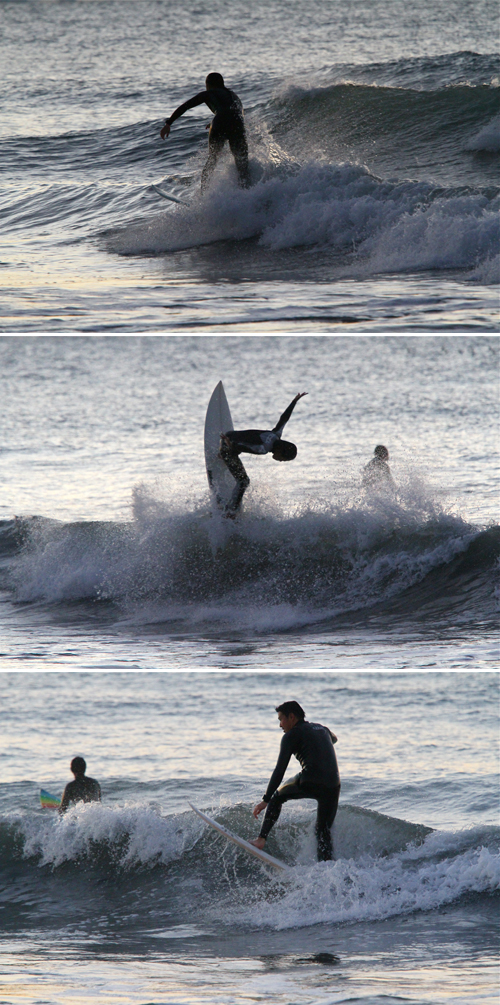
[284,451]
[214,80]
[78,766]
[381,452]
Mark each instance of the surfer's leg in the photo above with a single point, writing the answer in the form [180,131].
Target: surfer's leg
[238,472]
[215,145]
[290,790]
[239,150]
[328,802]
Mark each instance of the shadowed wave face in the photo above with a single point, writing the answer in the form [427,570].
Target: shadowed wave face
[273,574]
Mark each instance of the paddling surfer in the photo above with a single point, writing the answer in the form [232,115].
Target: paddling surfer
[254,441]
[83,790]
[227,124]
[312,745]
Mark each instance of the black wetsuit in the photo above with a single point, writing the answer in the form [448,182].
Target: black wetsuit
[312,745]
[82,790]
[228,124]
[377,474]
[249,441]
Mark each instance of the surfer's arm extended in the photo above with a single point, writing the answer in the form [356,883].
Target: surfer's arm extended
[199,99]
[283,419]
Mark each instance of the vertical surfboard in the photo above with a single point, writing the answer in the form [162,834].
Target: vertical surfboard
[218,420]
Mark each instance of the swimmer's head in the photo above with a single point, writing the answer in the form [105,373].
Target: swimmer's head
[284,451]
[381,452]
[214,80]
[78,766]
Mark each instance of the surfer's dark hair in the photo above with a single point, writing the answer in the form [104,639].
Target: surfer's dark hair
[291,706]
[78,766]
[287,450]
[215,80]
[381,452]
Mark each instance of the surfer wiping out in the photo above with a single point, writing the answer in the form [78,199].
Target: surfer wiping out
[254,441]
[227,124]
[312,745]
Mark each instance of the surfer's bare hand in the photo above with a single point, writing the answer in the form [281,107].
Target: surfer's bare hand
[165,131]
[301,395]
[258,809]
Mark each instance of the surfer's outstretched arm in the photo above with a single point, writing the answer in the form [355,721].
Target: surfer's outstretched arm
[199,99]
[282,421]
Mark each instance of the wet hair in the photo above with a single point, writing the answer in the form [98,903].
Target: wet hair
[291,706]
[287,450]
[381,452]
[215,80]
[78,766]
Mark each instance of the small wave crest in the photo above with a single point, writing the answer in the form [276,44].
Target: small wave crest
[383,866]
[268,570]
[363,221]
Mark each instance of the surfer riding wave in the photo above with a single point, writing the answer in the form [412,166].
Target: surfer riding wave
[254,441]
[227,124]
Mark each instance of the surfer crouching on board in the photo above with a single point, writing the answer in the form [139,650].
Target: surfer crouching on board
[254,441]
[312,745]
[83,789]
[227,124]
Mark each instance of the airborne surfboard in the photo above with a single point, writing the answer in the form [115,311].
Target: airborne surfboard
[218,420]
[241,843]
[166,195]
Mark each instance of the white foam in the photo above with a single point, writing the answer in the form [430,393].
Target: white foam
[383,226]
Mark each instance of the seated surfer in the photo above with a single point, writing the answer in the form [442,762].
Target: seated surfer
[254,441]
[83,789]
[377,473]
[227,124]
[312,745]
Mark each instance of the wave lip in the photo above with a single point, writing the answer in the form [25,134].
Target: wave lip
[176,567]
[384,866]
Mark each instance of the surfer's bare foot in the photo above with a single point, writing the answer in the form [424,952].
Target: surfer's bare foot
[259,843]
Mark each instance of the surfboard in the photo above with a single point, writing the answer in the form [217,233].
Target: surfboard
[245,845]
[49,802]
[218,420]
[166,195]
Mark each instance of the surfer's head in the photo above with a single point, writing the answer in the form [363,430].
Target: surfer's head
[78,766]
[214,80]
[289,714]
[381,452]
[284,451]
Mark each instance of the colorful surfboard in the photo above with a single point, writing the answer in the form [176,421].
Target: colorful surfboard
[48,801]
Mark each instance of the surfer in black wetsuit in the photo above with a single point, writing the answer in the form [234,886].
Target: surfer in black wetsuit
[255,441]
[83,789]
[312,745]
[377,473]
[228,124]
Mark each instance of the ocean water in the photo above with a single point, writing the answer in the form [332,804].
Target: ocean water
[134,901]
[112,555]
[374,143]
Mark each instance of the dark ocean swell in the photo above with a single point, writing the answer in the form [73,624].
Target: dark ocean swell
[188,569]
[119,861]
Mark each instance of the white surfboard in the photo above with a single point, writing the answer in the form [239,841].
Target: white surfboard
[218,420]
[245,845]
[166,195]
